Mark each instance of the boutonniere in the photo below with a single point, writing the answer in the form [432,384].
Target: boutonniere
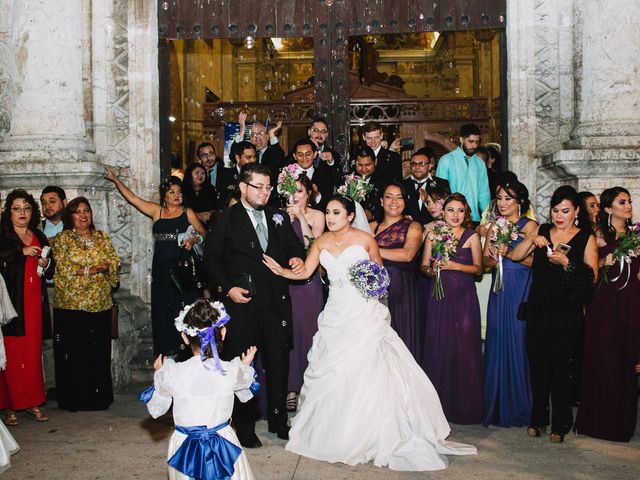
[277,219]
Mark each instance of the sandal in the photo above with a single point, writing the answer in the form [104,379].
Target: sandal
[536,431]
[38,415]
[11,420]
[556,437]
[292,402]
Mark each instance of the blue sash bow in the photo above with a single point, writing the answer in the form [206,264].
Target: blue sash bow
[204,454]
[147,394]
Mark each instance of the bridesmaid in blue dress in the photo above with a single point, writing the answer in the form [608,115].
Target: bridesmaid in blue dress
[169,219]
[452,350]
[307,299]
[507,388]
[399,239]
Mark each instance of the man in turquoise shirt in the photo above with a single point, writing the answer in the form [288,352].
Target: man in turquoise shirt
[466,173]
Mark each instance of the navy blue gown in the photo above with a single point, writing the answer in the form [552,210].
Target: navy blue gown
[507,388]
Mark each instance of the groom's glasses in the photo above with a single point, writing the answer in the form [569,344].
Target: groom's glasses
[265,188]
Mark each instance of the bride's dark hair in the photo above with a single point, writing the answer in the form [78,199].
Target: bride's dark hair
[348,204]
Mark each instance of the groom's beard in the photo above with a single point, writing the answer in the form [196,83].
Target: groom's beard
[257,206]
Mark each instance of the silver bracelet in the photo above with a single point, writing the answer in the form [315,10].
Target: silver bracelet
[86,271]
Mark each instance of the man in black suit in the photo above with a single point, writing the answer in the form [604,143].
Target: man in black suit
[241,154]
[268,149]
[365,166]
[388,163]
[324,176]
[256,299]
[318,133]
[423,165]
[206,154]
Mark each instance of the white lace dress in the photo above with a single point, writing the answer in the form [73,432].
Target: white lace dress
[201,396]
[364,397]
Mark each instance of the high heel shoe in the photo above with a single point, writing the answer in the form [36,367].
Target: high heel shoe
[536,431]
[556,437]
[38,415]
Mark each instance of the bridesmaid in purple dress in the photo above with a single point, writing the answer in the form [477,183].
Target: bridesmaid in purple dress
[609,398]
[399,239]
[307,299]
[452,349]
[435,200]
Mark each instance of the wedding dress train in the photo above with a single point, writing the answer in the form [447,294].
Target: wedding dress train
[364,397]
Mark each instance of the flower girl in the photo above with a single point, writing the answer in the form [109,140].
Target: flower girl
[203,446]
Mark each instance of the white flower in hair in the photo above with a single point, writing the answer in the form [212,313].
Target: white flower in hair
[223,317]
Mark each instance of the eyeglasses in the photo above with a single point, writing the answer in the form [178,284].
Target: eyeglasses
[264,188]
[258,134]
[324,131]
[419,164]
[207,155]
[26,209]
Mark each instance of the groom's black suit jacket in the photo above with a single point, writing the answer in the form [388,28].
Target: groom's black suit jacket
[232,249]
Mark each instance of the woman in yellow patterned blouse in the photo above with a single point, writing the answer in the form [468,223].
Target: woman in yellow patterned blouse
[87,270]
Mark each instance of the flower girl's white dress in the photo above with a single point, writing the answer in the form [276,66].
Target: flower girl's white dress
[201,396]
[364,397]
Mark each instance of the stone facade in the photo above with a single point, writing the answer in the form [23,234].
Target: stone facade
[80,94]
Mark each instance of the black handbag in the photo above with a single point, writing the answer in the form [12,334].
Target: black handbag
[186,275]
[522,308]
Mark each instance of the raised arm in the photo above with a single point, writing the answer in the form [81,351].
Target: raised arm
[150,209]
[410,248]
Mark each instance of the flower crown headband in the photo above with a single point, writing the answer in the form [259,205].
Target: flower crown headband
[206,334]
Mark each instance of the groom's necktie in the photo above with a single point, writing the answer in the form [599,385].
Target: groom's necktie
[263,236]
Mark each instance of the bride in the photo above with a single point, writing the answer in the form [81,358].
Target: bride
[364,397]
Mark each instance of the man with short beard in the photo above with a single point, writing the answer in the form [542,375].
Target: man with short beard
[466,173]
[53,200]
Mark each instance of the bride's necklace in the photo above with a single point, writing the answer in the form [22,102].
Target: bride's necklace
[338,244]
[86,240]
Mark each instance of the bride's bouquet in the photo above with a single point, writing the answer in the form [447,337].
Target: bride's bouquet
[369,278]
[504,232]
[444,246]
[288,180]
[355,187]
[627,249]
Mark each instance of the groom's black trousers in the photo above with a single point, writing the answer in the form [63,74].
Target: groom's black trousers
[263,323]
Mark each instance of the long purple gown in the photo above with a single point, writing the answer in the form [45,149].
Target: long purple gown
[452,350]
[507,388]
[402,296]
[609,396]
[307,302]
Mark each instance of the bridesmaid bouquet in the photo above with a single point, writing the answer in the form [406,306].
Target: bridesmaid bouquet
[288,180]
[628,248]
[355,187]
[444,246]
[369,278]
[504,232]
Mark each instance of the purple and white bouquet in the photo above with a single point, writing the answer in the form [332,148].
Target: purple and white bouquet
[444,246]
[627,249]
[369,278]
[504,233]
[355,187]
[288,180]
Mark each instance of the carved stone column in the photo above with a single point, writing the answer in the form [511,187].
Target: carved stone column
[47,110]
[608,76]
[604,148]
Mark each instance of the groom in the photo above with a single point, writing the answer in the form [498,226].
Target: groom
[256,299]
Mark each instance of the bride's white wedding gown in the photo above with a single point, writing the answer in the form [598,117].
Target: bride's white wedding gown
[364,397]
